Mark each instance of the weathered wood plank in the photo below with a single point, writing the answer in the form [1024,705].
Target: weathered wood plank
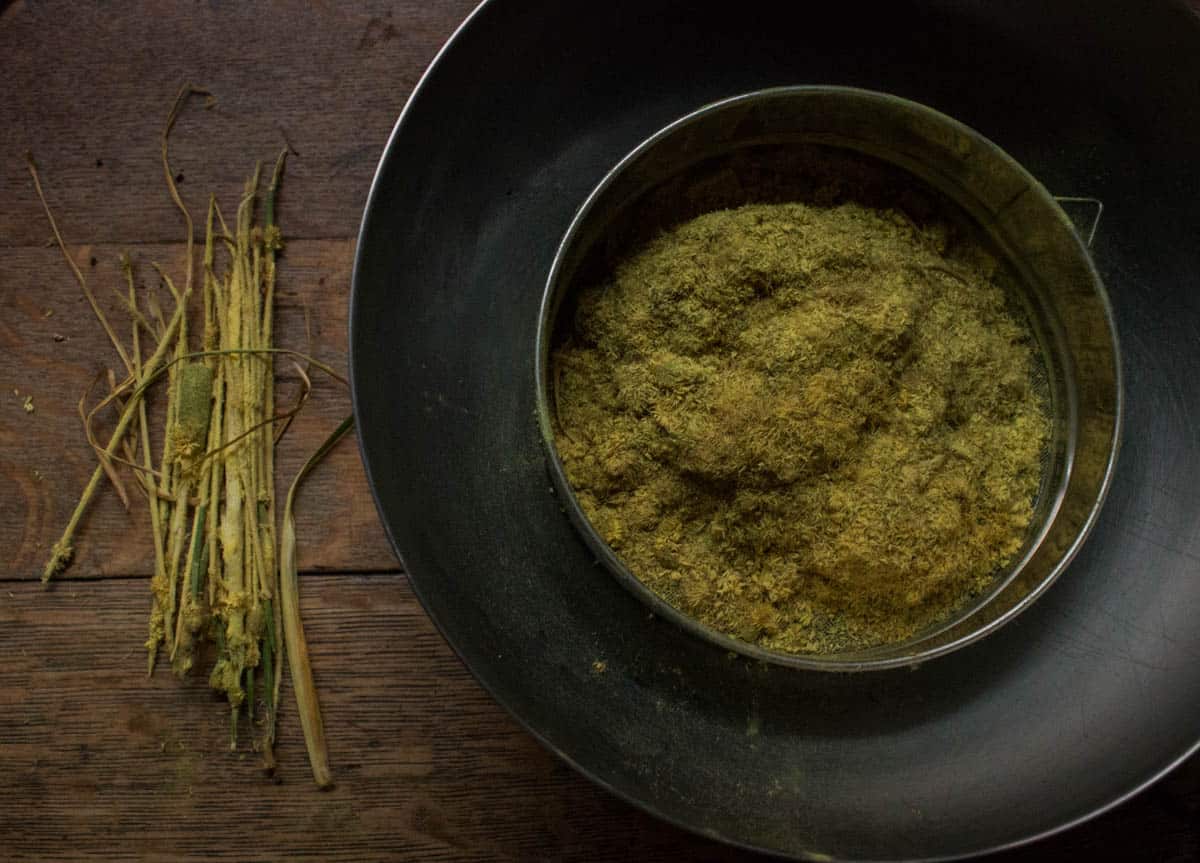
[101,763]
[87,87]
[45,459]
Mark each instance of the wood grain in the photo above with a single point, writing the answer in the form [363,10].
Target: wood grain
[87,87]
[101,763]
[96,761]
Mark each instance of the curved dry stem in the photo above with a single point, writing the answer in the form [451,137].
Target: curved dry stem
[185,92]
[285,417]
[135,314]
[62,246]
[159,372]
[305,389]
[63,551]
[106,461]
[294,641]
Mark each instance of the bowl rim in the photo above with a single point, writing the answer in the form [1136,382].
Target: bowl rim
[845,662]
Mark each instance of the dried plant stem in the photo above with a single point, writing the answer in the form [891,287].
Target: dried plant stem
[189,618]
[216,567]
[154,636]
[63,551]
[166,466]
[87,291]
[239,594]
[176,481]
[221,572]
[106,461]
[233,594]
[185,92]
[212,304]
[308,358]
[175,543]
[297,646]
[272,669]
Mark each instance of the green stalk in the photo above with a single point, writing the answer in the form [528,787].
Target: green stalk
[215,573]
[175,544]
[199,550]
[190,619]
[272,669]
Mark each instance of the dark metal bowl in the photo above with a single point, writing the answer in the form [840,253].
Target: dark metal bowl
[1052,275]
[1085,698]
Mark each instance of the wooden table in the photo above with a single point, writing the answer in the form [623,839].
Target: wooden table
[96,760]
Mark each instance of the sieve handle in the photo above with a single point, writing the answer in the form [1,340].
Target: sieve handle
[1096,202]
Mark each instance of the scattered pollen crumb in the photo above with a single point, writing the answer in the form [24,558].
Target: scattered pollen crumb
[59,337]
[37,474]
[28,404]
[49,313]
[599,666]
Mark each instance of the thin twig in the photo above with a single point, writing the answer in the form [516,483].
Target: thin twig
[185,92]
[149,483]
[106,461]
[272,664]
[63,550]
[305,390]
[62,246]
[151,378]
[134,313]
